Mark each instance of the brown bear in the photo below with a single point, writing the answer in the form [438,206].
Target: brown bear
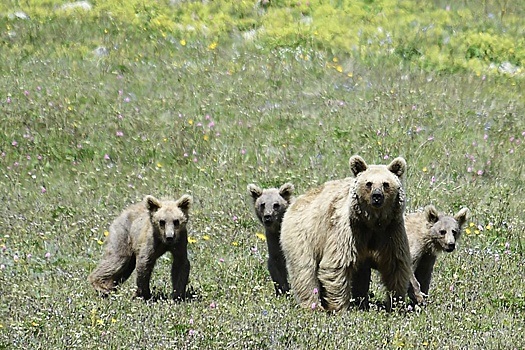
[430,233]
[137,238]
[270,205]
[329,231]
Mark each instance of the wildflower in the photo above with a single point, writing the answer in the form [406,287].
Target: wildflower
[106,233]
[14,143]
[26,93]
[451,288]
[185,155]
[221,260]
[496,257]
[430,138]
[234,218]
[191,320]
[485,137]
[211,125]
[316,291]
[489,226]
[261,236]
[119,133]
[469,170]
[205,237]
[206,137]
[212,46]
[213,305]
[339,69]
[43,189]
[468,231]
[191,240]
[106,156]
[183,42]
[191,332]
[424,169]
[480,172]
[433,179]
[16,258]
[253,249]
[2,266]
[235,243]
[48,255]
[314,305]
[243,151]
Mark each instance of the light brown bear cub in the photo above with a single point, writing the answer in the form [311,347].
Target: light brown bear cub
[330,231]
[430,233]
[137,238]
[270,205]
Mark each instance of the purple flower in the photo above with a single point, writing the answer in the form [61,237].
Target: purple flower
[14,143]
[43,189]
[316,291]
[48,255]
[480,172]
[213,305]
[26,93]
[120,134]
[106,156]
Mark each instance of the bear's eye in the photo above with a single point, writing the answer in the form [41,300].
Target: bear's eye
[276,206]
[386,185]
[261,206]
[176,222]
[454,232]
[369,185]
[443,232]
[162,223]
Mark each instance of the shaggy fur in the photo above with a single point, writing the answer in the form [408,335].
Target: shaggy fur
[330,231]
[270,205]
[137,238]
[430,233]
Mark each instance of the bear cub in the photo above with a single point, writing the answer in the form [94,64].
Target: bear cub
[137,238]
[430,233]
[270,204]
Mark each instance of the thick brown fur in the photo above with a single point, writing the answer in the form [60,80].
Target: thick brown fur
[137,238]
[330,231]
[430,233]
[270,205]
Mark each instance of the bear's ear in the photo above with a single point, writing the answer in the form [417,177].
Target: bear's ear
[254,191]
[432,214]
[286,191]
[184,203]
[462,216]
[398,166]
[357,165]
[152,203]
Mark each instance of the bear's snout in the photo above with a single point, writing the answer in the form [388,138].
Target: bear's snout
[450,247]
[378,198]
[267,218]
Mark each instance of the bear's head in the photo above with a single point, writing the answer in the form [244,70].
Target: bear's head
[379,186]
[270,204]
[445,229]
[169,217]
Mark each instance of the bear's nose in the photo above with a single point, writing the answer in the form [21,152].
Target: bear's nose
[267,218]
[377,198]
[450,247]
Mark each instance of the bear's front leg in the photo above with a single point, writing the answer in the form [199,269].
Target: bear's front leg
[361,285]
[180,272]
[414,291]
[277,269]
[145,266]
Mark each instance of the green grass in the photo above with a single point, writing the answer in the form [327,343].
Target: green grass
[168,112]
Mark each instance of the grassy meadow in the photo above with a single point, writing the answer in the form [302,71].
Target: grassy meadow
[106,102]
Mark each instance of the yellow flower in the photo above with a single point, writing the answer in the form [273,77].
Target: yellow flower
[476,232]
[206,237]
[159,165]
[350,75]
[191,240]
[472,224]
[335,60]
[212,46]
[190,121]
[339,69]
[261,236]
[425,169]
[206,137]
[183,42]
[468,231]
[106,233]
[113,320]
[235,243]
[100,242]
[99,321]
[488,227]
